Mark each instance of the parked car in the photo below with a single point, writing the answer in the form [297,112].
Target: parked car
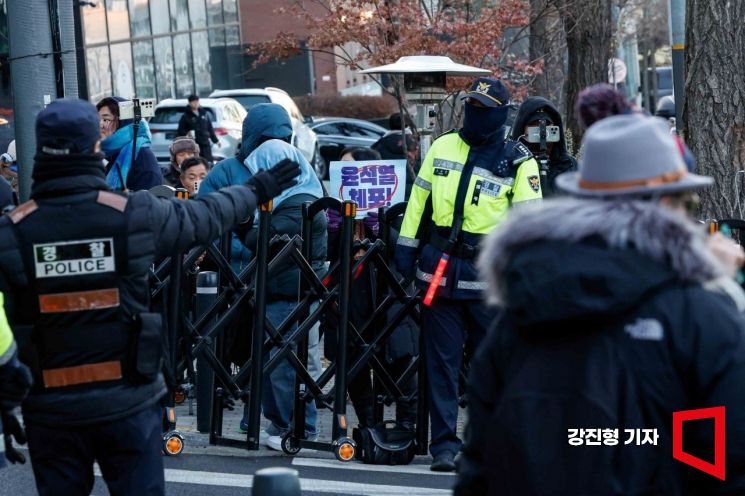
[336,133]
[227,119]
[303,137]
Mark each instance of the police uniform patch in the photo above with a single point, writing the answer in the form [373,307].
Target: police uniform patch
[441,172]
[535,183]
[74,258]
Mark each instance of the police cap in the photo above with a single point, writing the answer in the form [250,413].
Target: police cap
[66,126]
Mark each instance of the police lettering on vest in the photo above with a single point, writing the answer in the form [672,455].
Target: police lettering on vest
[84,257]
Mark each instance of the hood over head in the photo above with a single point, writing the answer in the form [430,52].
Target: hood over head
[528,111]
[269,120]
[571,259]
[269,153]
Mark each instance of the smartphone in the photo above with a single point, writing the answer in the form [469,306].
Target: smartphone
[553,135]
[127,108]
[196,186]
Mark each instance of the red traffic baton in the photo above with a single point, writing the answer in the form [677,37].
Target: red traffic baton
[442,265]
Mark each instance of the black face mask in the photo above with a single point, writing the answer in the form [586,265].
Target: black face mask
[482,123]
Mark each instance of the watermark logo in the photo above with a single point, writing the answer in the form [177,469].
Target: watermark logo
[716,469]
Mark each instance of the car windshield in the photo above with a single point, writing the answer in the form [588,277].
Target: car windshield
[171,115]
[249,101]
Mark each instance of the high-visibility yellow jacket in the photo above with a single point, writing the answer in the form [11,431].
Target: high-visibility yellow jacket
[7,344]
[507,178]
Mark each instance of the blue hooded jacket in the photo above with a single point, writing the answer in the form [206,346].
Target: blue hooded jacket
[263,120]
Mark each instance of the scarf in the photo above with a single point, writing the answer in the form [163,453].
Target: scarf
[120,144]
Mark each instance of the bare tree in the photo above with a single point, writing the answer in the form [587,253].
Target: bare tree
[589,32]
[714,109]
[548,47]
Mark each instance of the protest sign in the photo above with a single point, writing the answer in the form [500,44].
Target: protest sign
[369,183]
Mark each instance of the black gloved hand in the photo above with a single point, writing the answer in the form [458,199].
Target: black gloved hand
[15,381]
[270,183]
[12,429]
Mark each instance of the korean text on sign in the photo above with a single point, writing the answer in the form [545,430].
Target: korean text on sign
[370,184]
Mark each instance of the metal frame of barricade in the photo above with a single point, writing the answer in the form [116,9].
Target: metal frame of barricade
[205,331]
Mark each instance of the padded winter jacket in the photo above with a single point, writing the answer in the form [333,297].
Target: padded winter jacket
[606,325]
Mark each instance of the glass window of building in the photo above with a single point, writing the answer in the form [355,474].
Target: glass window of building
[232,36]
[117,16]
[139,16]
[230,11]
[99,72]
[183,61]
[159,15]
[121,69]
[179,15]
[217,37]
[94,24]
[201,56]
[197,13]
[214,12]
[164,67]
[143,69]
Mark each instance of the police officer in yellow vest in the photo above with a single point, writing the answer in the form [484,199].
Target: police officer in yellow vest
[471,177]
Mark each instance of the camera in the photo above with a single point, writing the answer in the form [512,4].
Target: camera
[553,135]
[128,108]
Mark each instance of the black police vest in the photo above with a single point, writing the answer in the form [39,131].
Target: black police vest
[72,255]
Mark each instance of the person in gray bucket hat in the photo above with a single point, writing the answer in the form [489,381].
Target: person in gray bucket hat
[608,325]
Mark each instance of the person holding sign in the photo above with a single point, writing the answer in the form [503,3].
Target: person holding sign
[471,176]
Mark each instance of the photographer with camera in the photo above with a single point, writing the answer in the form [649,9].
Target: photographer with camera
[538,125]
[117,134]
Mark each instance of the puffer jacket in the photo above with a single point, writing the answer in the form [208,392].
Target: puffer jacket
[606,325]
[264,119]
[287,219]
[156,228]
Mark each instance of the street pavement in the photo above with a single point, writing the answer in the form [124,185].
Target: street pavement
[208,470]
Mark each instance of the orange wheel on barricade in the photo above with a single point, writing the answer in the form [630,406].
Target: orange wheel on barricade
[173,443]
[344,449]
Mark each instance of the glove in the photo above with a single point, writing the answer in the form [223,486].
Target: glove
[270,183]
[15,381]
[13,429]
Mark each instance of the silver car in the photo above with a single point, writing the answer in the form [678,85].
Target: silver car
[303,136]
[227,119]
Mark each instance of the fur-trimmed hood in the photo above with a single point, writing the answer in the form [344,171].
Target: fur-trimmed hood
[570,258]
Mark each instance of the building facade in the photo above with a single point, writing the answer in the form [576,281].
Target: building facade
[160,48]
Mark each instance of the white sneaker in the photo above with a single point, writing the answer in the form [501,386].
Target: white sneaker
[274,442]
[264,437]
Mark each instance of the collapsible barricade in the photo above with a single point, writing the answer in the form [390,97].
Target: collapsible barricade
[200,338]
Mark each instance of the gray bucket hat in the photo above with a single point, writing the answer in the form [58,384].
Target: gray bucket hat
[630,155]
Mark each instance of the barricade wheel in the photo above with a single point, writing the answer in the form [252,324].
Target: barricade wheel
[290,444]
[344,449]
[173,443]
[179,396]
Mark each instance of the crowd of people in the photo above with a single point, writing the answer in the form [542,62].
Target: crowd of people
[583,294]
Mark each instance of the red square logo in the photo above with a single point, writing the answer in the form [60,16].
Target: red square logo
[716,469]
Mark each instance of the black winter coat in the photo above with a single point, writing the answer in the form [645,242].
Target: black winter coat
[287,219]
[200,123]
[156,228]
[606,325]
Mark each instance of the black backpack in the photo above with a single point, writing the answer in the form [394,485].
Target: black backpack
[387,443]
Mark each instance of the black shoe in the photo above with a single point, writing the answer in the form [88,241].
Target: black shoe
[443,462]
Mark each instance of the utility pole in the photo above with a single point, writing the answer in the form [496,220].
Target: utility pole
[677,35]
[33,78]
